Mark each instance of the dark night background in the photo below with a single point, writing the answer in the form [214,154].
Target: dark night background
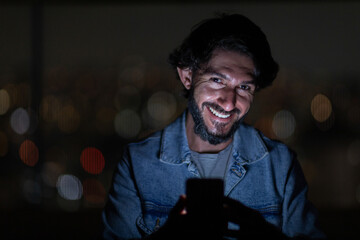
[78,81]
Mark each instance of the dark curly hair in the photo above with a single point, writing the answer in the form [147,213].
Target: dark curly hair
[229,32]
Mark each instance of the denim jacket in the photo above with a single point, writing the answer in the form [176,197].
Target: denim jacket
[263,175]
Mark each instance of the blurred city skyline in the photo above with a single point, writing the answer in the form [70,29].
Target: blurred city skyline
[104,81]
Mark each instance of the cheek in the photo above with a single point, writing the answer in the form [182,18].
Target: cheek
[244,104]
[202,95]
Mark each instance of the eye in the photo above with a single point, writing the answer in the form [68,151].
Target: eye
[245,87]
[216,80]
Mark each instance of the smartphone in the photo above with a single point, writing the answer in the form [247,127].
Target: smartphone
[204,205]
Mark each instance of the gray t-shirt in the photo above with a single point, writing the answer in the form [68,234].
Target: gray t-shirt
[212,165]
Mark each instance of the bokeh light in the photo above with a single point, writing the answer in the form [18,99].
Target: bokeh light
[50,108]
[29,153]
[51,172]
[132,70]
[69,119]
[4,101]
[20,121]
[12,92]
[283,124]
[161,106]
[94,191]
[127,123]
[264,124]
[34,122]
[321,108]
[69,187]
[4,145]
[19,94]
[134,74]
[353,153]
[92,160]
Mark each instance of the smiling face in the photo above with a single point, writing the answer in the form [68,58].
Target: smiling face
[221,93]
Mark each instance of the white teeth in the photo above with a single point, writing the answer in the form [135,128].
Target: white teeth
[219,114]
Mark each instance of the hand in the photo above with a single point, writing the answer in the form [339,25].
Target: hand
[180,226]
[176,225]
[252,224]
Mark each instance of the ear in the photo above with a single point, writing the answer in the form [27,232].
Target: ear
[185,76]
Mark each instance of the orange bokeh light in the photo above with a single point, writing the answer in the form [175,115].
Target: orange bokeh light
[92,160]
[29,153]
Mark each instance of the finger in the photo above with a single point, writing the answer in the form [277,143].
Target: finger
[179,208]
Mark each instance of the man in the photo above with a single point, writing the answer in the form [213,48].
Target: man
[221,64]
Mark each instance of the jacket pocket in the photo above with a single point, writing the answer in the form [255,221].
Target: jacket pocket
[271,213]
[153,217]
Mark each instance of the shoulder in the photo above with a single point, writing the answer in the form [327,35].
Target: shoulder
[274,145]
[281,157]
[276,149]
[271,144]
[136,153]
[248,134]
[281,161]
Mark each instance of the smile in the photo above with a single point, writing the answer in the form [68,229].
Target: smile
[220,115]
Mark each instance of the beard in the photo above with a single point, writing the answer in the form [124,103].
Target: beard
[202,130]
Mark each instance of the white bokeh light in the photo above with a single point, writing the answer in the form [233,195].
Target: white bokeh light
[283,124]
[69,187]
[20,121]
[127,123]
[161,106]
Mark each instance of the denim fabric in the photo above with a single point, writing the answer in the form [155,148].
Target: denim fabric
[149,179]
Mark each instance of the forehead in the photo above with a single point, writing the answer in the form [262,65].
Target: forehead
[230,63]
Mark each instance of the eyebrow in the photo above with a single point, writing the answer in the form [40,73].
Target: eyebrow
[211,71]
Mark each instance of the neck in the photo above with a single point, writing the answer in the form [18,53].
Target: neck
[199,145]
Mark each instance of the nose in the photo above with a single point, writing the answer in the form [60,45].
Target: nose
[227,99]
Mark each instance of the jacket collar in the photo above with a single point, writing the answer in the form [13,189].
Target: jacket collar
[248,144]
[174,145]
[249,147]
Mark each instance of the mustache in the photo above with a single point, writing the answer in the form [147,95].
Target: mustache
[220,109]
